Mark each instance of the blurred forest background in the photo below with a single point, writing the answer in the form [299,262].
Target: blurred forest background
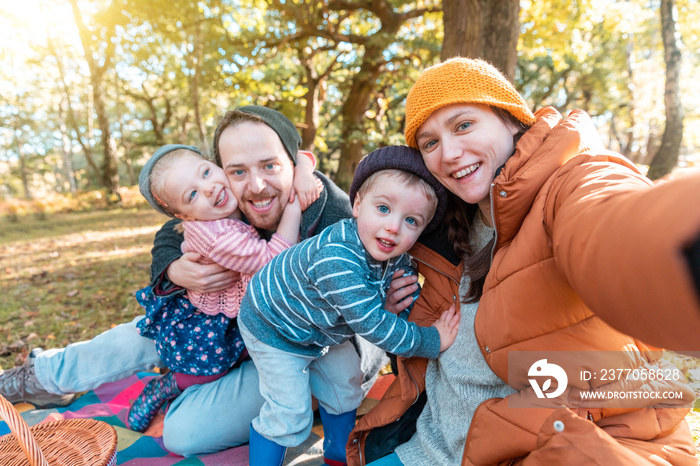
[89,88]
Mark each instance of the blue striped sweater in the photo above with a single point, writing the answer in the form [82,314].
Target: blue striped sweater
[323,290]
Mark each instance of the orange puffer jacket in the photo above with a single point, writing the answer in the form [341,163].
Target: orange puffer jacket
[573,221]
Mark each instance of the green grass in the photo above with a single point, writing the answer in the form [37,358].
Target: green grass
[71,276]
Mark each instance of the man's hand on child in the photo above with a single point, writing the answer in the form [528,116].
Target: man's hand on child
[191,274]
[448,326]
[398,296]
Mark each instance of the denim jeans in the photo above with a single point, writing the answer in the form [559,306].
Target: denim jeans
[205,418]
[287,381]
[112,355]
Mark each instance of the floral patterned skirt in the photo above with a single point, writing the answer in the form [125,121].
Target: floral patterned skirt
[188,340]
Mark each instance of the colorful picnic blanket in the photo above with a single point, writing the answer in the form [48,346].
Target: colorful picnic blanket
[110,403]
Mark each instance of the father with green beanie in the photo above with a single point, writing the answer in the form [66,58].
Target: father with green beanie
[257,147]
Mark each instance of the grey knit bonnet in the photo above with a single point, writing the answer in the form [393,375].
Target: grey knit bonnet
[145,175]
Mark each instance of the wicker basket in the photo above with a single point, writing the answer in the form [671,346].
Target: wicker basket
[69,442]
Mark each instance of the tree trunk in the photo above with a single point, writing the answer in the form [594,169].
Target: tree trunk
[353,130]
[93,171]
[66,151]
[484,29]
[311,115]
[666,156]
[194,83]
[357,101]
[110,175]
[626,149]
[23,171]
[315,93]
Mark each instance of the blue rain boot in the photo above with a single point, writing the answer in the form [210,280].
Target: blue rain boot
[264,452]
[336,430]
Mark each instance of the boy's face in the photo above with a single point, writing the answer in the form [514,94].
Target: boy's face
[198,189]
[259,170]
[390,217]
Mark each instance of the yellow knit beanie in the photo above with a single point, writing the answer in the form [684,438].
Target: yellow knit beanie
[460,80]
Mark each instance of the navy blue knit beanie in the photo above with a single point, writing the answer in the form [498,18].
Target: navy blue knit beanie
[406,159]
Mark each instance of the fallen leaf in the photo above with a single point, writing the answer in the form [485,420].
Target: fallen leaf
[17,345]
[72,293]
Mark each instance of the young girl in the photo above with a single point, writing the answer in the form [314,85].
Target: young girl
[196,334]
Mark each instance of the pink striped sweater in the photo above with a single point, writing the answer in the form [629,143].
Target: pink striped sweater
[236,246]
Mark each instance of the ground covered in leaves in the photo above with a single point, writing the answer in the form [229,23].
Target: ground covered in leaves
[68,277]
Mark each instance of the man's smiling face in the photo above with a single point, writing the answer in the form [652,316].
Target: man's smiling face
[259,170]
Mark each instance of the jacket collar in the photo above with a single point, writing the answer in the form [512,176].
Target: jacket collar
[432,259]
[542,150]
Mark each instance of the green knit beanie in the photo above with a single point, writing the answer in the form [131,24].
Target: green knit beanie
[284,128]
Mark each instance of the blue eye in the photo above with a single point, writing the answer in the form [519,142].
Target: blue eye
[236,172]
[269,166]
[411,221]
[206,173]
[383,209]
[193,194]
[429,145]
[464,126]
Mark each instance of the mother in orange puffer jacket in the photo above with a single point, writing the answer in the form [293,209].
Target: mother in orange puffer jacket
[574,264]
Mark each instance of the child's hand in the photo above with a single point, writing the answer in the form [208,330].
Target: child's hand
[306,190]
[448,326]
[306,186]
[398,296]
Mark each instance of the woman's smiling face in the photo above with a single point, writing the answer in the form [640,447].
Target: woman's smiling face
[463,145]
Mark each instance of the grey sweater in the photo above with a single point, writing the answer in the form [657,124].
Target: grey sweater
[456,383]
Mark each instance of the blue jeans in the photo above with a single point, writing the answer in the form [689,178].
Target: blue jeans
[205,418]
[287,381]
[391,459]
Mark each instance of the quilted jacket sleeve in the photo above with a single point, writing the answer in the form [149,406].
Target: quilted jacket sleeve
[621,242]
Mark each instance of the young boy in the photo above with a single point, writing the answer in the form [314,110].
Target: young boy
[301,308]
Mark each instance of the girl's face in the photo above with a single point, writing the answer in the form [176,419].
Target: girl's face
[198,189]
[463,145]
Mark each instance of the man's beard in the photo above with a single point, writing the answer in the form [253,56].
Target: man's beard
[265,221]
